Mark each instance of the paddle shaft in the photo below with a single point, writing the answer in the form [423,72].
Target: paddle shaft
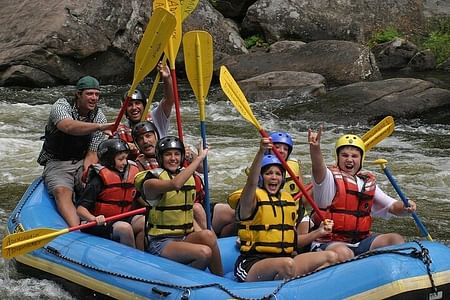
[205,176]
[416,218]
[294,177]
[109,219]
[152,94]
[27,241]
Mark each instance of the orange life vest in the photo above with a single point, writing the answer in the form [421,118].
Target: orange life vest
[144,164]
[350,209]
[118,193]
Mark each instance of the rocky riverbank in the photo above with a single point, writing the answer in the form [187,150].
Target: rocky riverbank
[55,42]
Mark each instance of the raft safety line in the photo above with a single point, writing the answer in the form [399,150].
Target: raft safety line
[422,254]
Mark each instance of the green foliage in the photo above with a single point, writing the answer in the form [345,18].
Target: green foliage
[254,41]
[385,35]
[438,41]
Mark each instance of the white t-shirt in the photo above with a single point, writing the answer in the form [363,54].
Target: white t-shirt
[160,120]
[325,191]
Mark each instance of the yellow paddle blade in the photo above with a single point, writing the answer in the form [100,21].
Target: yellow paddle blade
[198,59]
[23,242]
[155,38]
[236,96]
[379,132]
[174,7]
[187,7]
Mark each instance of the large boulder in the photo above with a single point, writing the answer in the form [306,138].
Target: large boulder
[56,42]
[46,43]
[340,62]
[283,84]
[367,101]
[310,20]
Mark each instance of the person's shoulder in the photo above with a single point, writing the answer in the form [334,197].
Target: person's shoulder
[61,103]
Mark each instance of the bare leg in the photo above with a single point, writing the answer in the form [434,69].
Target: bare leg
[224,220]
[64,203]
[343,252]
[199,216]
[310,261]
[195,255]
[138,224]
[124,232]
[387,239]
[276,268]
[208,238]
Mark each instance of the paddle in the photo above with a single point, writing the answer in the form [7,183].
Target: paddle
[379,132]
[198,59]
[187,7]
[155,37]
[20,243]
[382,163]
[234,93]
[171,51]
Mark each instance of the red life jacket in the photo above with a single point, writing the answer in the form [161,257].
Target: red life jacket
[199,189]
[144,164]
[124,133]
[350,209]
[118,194]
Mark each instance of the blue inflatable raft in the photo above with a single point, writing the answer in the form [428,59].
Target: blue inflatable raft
[415,270]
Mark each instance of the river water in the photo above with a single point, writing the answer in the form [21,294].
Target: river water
[418,157]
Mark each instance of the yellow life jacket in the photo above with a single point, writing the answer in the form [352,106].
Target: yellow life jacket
[272,227]
[289,185]
[172,214]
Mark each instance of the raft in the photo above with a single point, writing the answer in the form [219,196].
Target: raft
[415,270]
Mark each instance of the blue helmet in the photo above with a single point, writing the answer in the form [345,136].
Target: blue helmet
[267,161]
[283,138]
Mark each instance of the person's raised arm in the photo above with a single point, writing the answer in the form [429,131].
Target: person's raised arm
[319,167]
[154,187]
[247,202]
[169,98]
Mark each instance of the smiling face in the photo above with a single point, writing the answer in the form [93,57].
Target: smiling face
[87,100]
[120,161]
[283,149]
[349,159]
[147,143]
[172,160]
[272,178]
[134,110]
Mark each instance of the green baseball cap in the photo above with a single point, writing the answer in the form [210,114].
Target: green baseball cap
[88,82]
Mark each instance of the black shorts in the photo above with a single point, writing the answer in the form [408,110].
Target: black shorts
[246,261]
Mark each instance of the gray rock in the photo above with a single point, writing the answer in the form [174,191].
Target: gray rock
[283,84]
[53,42]
[366,101]
[340,62]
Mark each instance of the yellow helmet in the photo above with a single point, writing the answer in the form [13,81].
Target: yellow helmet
[351,140]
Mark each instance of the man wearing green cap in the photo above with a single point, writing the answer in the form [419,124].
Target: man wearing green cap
[74,129]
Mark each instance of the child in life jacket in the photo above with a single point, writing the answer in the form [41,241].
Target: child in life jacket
[267,226]
[145,136]
[170,190]
[110,191]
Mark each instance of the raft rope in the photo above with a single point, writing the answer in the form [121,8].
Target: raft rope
[422,254]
